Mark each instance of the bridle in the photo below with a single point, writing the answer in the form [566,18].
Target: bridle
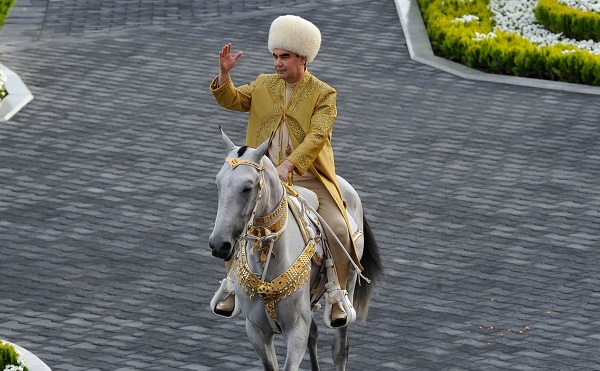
[264,229]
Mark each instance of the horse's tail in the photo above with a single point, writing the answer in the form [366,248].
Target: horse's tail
[373,270]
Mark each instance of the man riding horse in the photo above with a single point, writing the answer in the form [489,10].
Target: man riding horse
[296,111]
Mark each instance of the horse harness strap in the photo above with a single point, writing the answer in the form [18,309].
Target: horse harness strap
[235,162]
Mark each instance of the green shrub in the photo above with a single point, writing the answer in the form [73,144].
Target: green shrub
[452,39]
[476,45]
[573,23]
[4,9]
[8,356]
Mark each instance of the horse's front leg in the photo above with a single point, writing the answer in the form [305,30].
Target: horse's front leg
[297,340]
[262,342]
[296,319]
[313,339]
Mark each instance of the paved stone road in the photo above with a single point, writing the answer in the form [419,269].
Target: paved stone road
[484,197]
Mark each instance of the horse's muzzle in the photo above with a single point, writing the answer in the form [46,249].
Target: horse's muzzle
[220,249]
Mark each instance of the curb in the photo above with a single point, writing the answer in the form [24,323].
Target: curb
[419,48]
[18,95]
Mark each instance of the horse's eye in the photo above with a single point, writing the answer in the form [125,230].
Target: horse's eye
[246,190]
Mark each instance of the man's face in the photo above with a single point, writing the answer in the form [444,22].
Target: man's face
[289,65]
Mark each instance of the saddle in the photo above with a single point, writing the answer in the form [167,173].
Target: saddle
[313,201]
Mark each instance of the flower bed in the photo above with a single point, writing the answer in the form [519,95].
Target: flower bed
[10,360]
[499,36]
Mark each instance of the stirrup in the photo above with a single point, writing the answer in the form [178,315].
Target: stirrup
[226,288]
[333,296]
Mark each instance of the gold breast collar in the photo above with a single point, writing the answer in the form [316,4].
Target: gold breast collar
[282,286]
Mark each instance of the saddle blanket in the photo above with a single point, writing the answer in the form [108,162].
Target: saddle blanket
[312,220]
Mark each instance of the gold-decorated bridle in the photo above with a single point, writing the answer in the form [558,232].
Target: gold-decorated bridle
[235,162]
[270,226]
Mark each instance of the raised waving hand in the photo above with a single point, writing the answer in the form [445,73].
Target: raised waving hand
[227,62]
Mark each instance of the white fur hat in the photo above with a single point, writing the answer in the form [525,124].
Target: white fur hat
[295,34]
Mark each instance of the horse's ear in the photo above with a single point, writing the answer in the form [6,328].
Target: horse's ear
[229,146]
[262,149]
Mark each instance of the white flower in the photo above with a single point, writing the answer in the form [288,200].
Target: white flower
[482,36]
[585,5]
[13,368]
[466,18]
[517,17]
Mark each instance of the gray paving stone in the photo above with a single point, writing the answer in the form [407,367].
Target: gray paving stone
[483,196]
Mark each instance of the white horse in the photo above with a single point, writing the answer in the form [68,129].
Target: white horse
[250,192]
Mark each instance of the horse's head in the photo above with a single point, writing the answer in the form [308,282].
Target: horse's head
[238,182]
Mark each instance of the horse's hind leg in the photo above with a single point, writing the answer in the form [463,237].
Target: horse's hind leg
[263,345]
[313,338]
[339,348]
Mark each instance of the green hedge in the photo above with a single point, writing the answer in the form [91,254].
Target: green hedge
[500,52]
[573,23]
[4,9]
[8,356]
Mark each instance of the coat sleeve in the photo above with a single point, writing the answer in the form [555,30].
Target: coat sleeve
[319,133]
[231,97]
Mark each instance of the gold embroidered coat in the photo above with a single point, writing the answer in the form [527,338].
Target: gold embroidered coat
[310,114]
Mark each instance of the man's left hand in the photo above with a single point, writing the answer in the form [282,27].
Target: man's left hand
[284,169]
